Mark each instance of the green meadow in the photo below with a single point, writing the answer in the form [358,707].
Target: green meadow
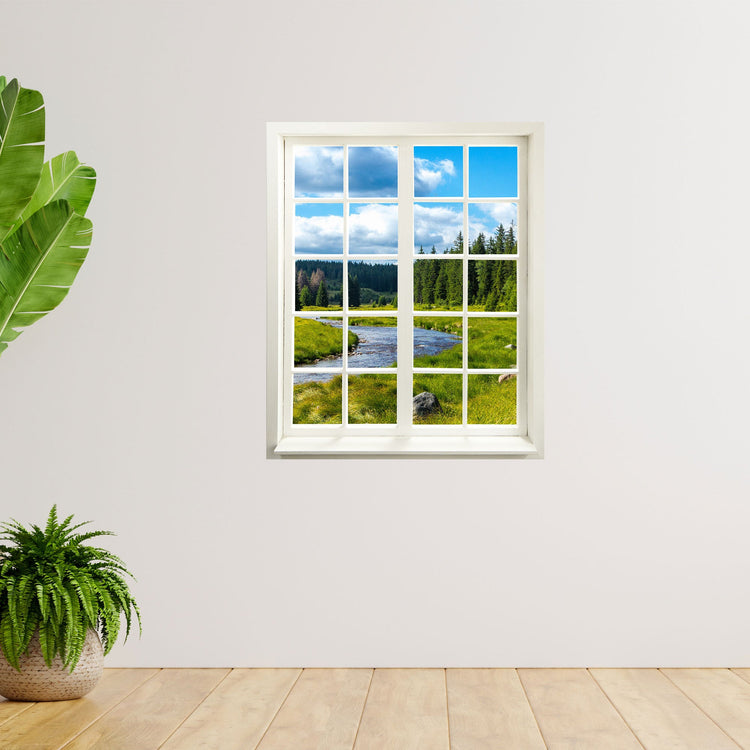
[372,398]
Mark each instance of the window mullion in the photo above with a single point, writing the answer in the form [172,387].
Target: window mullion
[405,287]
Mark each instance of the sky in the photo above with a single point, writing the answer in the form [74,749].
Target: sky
[373,173]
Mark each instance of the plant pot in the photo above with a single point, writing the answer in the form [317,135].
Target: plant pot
[38,682]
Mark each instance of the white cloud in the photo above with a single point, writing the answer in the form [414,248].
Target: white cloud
[429,174]
[318,234]
[437,225]
[447,166]
[373,228]
[485,217]
[318,171]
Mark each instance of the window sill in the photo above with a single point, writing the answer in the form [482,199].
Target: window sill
[499,447]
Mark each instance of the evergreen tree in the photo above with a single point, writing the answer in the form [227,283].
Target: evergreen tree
[434,252]
[354,293]
[441,285]
[473,283]
[510,241]
[305,298]
[458,244]
[479,246]
[321,300]
[500,239]
[421,250]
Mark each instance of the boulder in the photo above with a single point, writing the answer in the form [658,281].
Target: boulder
[426,403]
[505,376]
[509,346]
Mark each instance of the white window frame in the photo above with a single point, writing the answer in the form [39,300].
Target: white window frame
[368,442]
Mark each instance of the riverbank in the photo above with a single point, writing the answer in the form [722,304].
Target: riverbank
[314,341]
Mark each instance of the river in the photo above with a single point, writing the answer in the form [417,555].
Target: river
[377,347]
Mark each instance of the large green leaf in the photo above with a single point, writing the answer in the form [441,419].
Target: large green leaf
[3,83]
[21,150]
[63,178]
[38,264]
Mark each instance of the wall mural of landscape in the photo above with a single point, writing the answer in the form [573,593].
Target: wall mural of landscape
[371,287]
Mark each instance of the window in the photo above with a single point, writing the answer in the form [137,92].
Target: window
[404,289]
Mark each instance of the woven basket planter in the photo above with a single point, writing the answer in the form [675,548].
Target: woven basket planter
[38,682]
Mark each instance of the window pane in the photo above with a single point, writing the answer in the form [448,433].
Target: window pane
[373,228]
[372,399]
[373,285]
[492,343]
[318,342]
[373,171]
[317,401]
[437,399]
[319,228]
[438,284]
[373,341]
[493,228]
[318,284]
[438,171]
[492,399]
[438,342]
[319,171]
[438,228]
[493,171]
[493,285]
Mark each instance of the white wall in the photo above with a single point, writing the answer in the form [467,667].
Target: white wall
[140,401]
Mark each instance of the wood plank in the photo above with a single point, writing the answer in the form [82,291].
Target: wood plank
[10,709]
[48,726]
[148,716]
[406,709]
[658,713]
[322,711]
[237,713]
[743,672]
[573,713]
[719,693]
[487,710]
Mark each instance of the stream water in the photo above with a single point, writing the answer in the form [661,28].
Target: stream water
[377,347]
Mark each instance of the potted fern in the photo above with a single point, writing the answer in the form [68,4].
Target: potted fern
[61,603]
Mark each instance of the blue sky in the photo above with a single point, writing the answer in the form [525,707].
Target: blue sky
[438,171]
[493,171]
[373,227]
[437,224]
[373,171]
[485,217]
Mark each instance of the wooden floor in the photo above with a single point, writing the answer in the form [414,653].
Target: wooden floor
[393,709]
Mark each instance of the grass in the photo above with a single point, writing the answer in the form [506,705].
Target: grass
[449,392]
[452,357]
[383,322]
[317,402]
[372,399]
[491,402]
[314,340]
[488,338]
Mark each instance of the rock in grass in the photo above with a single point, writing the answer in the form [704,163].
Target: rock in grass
[426,403]
[505,376]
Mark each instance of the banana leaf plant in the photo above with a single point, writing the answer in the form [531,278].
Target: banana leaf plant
[44,237]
